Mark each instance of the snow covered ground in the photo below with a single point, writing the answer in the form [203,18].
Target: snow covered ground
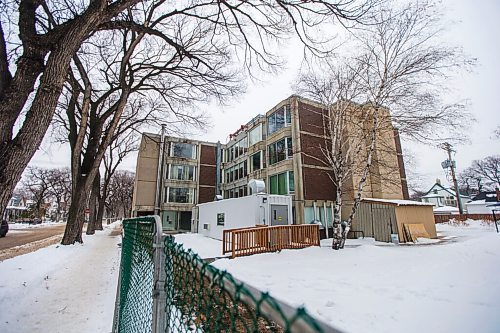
[23,226]
[61,288]
[446,286]
[203,246]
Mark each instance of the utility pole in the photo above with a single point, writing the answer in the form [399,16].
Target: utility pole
[452,165]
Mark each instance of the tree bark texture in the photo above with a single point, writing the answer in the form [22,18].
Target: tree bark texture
[16,152]
[101,205]
[93,202]
[76,214]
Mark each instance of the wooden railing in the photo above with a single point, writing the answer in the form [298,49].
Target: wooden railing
[260,239]
[443,218]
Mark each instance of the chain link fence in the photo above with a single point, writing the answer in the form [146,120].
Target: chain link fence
[189,295]
[134,299]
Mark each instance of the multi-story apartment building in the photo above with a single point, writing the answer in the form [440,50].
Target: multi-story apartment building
[281,147]
[173,183]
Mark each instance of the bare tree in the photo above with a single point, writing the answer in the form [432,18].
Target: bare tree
[59,181]
[489,170]
[121,146]
[401,67]
[37,183]
[51,34]
[120,192]
[470,181]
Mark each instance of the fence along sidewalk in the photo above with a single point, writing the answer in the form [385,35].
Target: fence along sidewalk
[260,239]
[196,296]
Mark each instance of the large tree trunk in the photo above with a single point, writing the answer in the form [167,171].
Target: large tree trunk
[100,212]
[76,214]
[93,202]
[16,153]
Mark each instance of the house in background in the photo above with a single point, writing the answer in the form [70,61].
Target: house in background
[17,205]
[441,196]
[484,202]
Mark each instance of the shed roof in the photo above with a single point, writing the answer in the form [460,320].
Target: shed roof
[397,202]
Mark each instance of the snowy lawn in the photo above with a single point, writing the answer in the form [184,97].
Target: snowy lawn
[448,286]
[62,288]
[205,247]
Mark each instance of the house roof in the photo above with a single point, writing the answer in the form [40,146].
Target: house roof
[449,190]
[397,202]
[490,196]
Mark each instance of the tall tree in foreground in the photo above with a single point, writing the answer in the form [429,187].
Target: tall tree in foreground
[401,67]
[47,36]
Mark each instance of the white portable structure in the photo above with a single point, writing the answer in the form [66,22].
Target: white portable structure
[248,211]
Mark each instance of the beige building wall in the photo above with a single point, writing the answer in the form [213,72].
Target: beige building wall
[384,180]
[146,174]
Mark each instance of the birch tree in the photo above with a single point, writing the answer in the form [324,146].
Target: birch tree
[395,80]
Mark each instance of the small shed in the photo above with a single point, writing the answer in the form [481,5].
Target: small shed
[379,218]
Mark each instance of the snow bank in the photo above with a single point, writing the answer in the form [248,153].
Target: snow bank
[21,226]
[61,288]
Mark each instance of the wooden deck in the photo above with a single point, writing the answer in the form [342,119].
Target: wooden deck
[260,239]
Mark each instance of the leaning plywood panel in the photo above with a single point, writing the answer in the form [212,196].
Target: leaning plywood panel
[415,231]
[416,215]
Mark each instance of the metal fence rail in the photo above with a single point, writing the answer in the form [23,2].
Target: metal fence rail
[164,288]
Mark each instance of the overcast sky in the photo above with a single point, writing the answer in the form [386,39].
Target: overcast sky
[476,28]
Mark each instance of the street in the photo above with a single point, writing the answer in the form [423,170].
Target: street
[22,241]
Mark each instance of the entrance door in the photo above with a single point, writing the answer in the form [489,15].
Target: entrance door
[185,221]
[279,215]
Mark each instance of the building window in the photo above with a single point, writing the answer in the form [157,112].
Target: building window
[255,135]
[279,119]
[236,150]
[255,161]
[179,194]
[282,183]
[308,214]
[220,218]
[181,172]
[186,150]
[291,182]
[236,192]
[239,171]
[280,150]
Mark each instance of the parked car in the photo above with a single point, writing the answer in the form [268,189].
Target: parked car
[4,228]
